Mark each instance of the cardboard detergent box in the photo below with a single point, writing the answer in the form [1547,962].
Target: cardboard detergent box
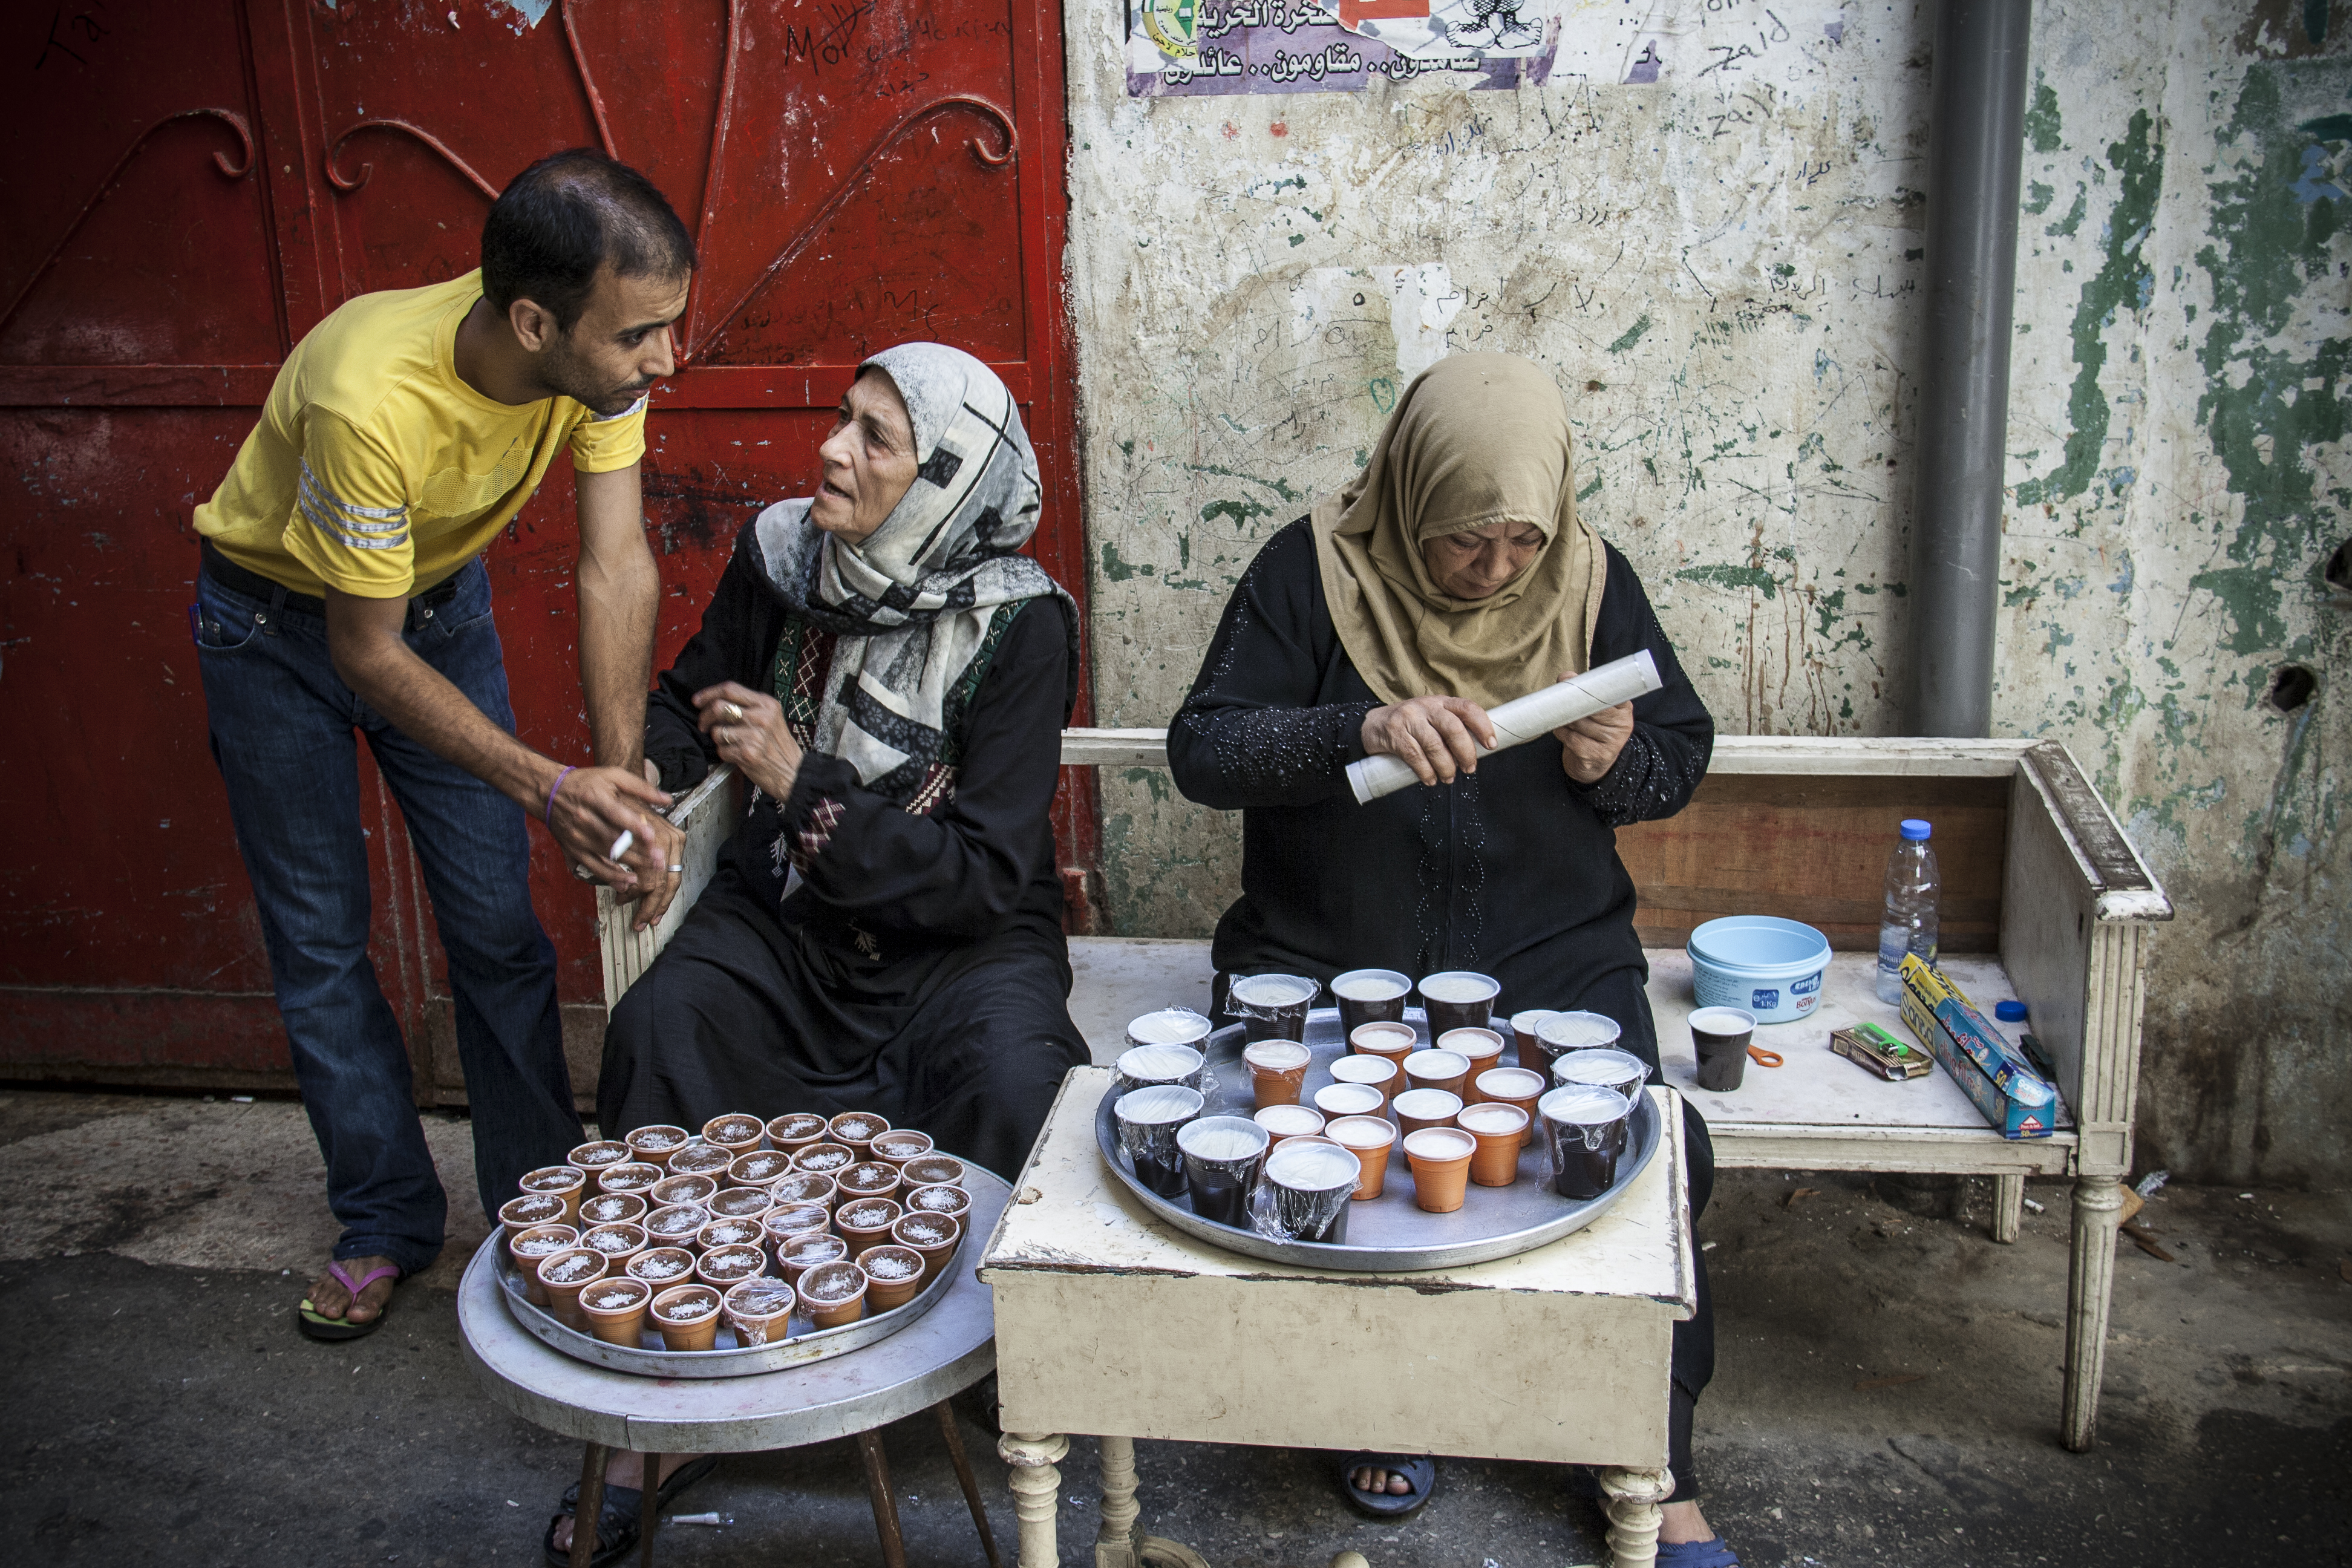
[2002,1085]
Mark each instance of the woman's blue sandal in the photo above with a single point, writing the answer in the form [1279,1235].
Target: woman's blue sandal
[1714,1553]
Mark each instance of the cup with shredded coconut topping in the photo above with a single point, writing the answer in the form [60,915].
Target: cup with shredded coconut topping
[893,1275]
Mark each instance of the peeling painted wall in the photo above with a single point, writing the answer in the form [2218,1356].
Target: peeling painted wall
[1722,270]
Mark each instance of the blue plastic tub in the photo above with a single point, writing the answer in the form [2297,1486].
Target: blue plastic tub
[1761,965]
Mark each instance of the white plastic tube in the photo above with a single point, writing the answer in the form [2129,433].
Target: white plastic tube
[1523,719]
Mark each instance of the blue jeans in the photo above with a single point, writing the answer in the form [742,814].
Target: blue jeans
[284,734]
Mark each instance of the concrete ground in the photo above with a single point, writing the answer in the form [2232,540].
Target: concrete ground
[1887,1393]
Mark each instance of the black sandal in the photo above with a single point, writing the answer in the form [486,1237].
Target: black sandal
[616,1521]
[1419,1470]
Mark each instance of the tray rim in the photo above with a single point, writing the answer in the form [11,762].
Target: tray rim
[1350,1259]
[743,1360]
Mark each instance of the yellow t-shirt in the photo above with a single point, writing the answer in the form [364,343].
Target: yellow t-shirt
[377,469]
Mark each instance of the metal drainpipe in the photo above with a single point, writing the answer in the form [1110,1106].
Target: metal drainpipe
[1976,137]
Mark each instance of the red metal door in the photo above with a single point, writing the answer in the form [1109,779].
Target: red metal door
[211,179]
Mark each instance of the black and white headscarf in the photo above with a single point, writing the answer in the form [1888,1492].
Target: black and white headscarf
[911,603]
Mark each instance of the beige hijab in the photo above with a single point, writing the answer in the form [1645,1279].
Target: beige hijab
[1477,438]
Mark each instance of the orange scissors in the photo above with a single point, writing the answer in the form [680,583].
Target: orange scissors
[1762,1058]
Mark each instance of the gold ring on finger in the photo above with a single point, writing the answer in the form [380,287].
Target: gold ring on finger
[730,711]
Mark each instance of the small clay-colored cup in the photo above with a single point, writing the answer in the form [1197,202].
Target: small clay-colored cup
[681,1189]
[1439,1158]
[735,1132]
[619,1243]
[1375,1072]
[630,1177]
[858,1129]
[1521,1087]
[563,1182]
[700,1159]
[531,1211]
[1482,1049]
[724,1266]
[1277,1070]
[727,1232]
[933,1237]
[901,1145]
[740,1203]
[825,1159]
[686,1317]
[1419,1107]
[802,1253]
[1497,1129]
[869,1179]
[613,1208]
[615,1309]
[564,1275]
[759,1310]
[677,1224]
[531,1247]
[951,1201]
[1337,1099]
[1523,1030]
[1389,1042]
[893,1275]
[1447,1070]
[1457,999]
[834,1293]
[865,1222]
[805,1187]
[796,1132]
[594,1157]
[933,1170]
[1370,1139]
[760,1168]
[1282,1121]
[653,1146]
[662,1266]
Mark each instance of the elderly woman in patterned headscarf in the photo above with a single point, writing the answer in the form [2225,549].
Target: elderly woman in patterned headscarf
[1449,576]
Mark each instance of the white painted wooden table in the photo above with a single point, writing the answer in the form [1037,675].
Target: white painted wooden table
[1110,1323]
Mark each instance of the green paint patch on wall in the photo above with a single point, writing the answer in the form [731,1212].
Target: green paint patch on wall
[2041,120]
[1632,335]
[1240,511]
[1754,577]
[1119,571]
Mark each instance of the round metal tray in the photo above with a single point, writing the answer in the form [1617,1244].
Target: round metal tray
[1390,1233]
[807,1343]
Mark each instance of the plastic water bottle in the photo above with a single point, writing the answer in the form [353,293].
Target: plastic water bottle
[1908,922]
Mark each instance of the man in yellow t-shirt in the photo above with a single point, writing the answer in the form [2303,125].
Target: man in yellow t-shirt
[342,594]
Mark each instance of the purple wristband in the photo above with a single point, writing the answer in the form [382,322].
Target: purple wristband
[551,792]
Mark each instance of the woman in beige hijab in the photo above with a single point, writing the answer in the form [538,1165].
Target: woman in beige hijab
[1451,575]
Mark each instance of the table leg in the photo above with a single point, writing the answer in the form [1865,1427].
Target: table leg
[2007,1206]
[1120,1540]
[649,1510]
[591,1506]
[1035,1486]
[885,1507]
[1633,1497]
[965,1478]
[2090,1280]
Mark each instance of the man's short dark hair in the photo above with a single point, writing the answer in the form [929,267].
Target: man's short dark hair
[566,217]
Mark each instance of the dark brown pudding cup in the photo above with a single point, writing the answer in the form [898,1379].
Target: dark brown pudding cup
[802,1253]
[858,1129]
[653,1146]
[951,1201]
[760,1168]
[531,1211]
[696,1331]
[833,1294]
[725,1231]
[865,1222]
[735,1132]
[797,1131]
[594,1157]
[724,1267]
[805,1187]
[825,1159]
[613,1208]
[531,1247]
[633,1176]
[615,1309]
[662,1266]
[681,1189]
[619,1243]
[564,1275]
[700,1159]
[933,1170]
[893,1275]
[869,1179]
[901,1145]
[564,1181]
[933,1236]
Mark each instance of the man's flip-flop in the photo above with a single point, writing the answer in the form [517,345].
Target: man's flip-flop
[616,1521]
[1419,1470]
[318,1327]
[1714,1553]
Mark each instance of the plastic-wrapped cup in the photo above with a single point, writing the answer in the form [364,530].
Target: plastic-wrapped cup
[1377,1072]
[1305,1193]
[1498,1130]
[1370,996]
[1148,1067]
[1370,1139]
[1419,1108]
[1523,1029]
[1271,1006]
[1605,1068]
[1459,999]
[1282,1121]
[802,1253]
[1149,1120]
[759,1310]
[740,1203]
[1337,1099]
[1277,1069]
[1448,1070]
[1482,1049]
[677,1224]
[1521,1087]
[804,1187]
[1564,1032]
[1586,1132]
[1170,1026]
[1222,1155]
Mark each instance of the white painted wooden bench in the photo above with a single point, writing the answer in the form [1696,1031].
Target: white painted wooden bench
[2044,900]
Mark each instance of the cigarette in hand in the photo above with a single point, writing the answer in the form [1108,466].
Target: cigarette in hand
[621,845]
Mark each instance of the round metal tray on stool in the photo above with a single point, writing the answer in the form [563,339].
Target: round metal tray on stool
[731,1360]
[1390,1233]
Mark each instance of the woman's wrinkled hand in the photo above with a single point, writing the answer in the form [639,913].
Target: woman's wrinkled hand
[750,732]
[1589,747]
[1436,736]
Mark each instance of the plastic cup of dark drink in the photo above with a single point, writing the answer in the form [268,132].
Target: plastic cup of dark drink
[1223,1156]
[1586,1132]
[1448,1070]
[1271,1006]
[1482,1049]
[1282,1121]
[1560,1033]
[1523,1029]
[1373,1072]
[1170,1026]
[1720,1037]
[1305,1193]
[1277,1069]
[1149,1120]
[1459,999]
[1607,1067]
[1369,996]
[1145,1067]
